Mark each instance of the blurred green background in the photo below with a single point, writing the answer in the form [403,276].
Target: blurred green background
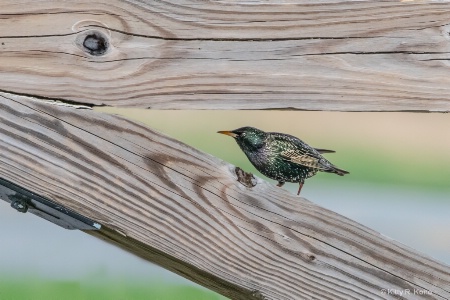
[399,184]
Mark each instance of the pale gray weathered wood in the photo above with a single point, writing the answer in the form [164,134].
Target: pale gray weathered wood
[185,210]
[310,55]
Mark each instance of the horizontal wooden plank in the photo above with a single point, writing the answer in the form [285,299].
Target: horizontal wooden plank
[186,211]
[309,55]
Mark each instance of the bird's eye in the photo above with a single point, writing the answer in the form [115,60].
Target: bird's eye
[243,134]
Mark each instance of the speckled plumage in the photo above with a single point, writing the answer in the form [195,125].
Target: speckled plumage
[282,157]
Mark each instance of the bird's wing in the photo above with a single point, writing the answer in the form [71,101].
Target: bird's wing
[296,151]
[301,159]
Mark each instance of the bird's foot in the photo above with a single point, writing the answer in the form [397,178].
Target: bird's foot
[280,184]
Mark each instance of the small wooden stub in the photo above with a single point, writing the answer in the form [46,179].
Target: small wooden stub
[245,178]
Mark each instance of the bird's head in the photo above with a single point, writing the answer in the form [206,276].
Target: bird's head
[248,138]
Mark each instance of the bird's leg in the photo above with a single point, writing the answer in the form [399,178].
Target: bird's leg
[300,187]
[280,183]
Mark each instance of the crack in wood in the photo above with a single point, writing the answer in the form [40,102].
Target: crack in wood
[246,39]
[374,53]
[47,100]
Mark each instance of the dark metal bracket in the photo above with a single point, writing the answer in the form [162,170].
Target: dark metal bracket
[24,201]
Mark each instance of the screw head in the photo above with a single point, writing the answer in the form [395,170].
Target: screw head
[20,206]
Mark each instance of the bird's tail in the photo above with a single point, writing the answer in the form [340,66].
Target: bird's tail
[337,171]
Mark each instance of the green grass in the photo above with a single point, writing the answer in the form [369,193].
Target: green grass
[33,288]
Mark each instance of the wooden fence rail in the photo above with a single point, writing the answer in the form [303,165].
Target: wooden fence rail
[186,211]
[231,54]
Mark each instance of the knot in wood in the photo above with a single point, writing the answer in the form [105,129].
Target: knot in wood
[245,178]
[95,43]
[311,257]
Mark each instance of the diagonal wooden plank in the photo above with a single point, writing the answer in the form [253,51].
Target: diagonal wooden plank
[186,211]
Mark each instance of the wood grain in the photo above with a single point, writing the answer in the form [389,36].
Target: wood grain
[186,211]
[186,54]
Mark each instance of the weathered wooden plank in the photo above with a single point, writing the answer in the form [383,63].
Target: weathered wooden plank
[312,55]
[186,211]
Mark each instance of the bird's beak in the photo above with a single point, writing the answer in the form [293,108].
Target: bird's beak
[230,133]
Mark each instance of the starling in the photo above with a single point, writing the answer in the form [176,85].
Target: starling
[282,157]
